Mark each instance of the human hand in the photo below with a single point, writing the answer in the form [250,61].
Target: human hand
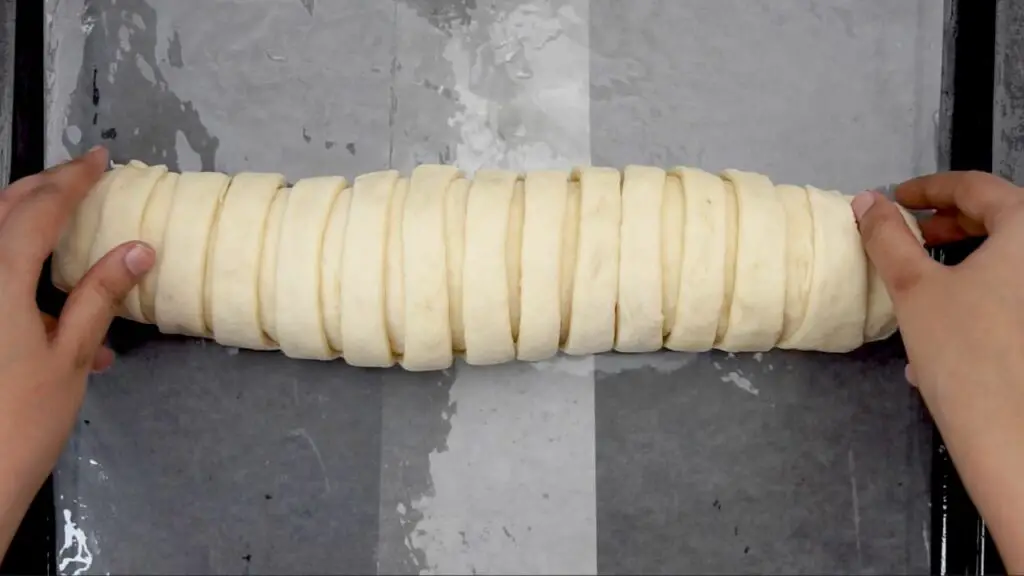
[44,361]
[963,328]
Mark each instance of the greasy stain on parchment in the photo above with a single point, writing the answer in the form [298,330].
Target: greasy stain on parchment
[121,98]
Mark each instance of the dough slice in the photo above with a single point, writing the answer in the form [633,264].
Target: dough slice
[514,254]
[154,223]
[299,311]
[703,268]
[485,289]
[837,305]
[545,205]
[121,220]
[673,217]
[181,287]
[595,287]
[364,329]
[570,246]
[330,269]
[455,242]
[71,258]
[394,272]
[640,318]
[759,290]
[268,265]
[428,335]
[237,257]
[799,258]
[881,317]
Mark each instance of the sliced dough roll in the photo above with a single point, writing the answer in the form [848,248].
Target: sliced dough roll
[428,335]
[639,309]
[514,254]
[121,217]
[881,317]
[154,223]
[799,258]
[570,246]
[268,264]
[237,258]
[544,207]
[595,286]
[364,328]
[394,270]
[331,264]
[71,258]
[485,289]
[703,269]
[299,311]
[673,216]
[837,304]
[759,290]
[455,242]
[181,287]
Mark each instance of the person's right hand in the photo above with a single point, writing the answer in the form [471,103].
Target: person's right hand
[963,328]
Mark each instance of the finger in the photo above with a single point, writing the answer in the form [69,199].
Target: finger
[908,373]
[32,227]
[898,257]
[92,304]
[942,229]
[980,196]
[103,360]
[49,322]
[14,193]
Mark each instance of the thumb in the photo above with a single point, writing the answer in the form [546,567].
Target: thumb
[92,304]
[898,256]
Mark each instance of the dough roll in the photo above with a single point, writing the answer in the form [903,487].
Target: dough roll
[494,267]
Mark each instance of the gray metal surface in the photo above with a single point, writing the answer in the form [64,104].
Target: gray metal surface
[195,458]
[1008,111]
[7,13]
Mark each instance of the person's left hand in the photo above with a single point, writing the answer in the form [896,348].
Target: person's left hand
[45,361]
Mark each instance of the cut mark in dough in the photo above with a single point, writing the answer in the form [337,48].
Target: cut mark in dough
[881,316]
[300,322]
[268,264]
[181,287]
[596,282]
[485,297]
[514,254]
[639,309]
[570,251]
[837,304]
[120,221]
[394,274]
[799,258]
[731,241]
[428,334]
[331,264]
[154,223]
[673,217]
[234,275]
[71,259]
[455,241]
[364,329]
[759,288]
[544,215]
[702,272]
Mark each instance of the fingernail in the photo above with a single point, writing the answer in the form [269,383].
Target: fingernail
[95,148]
[908,373]
[139,259]
[862,203]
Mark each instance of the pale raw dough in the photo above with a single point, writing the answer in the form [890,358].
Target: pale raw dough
[268,264]
[514,254]
[455,241]
[759,289]
[702,272]
[639,310]
[673,217]
[545,199]
[799,258]
[121,220]
[331,264]
[180,294]
[837,301]
[428,335]
[485,289]
[71,259]
[595,286]
[729,282]
[394,272]
[237,257]
[881,317]
[363,317]
[299,310]
[570,248]
[154,223]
